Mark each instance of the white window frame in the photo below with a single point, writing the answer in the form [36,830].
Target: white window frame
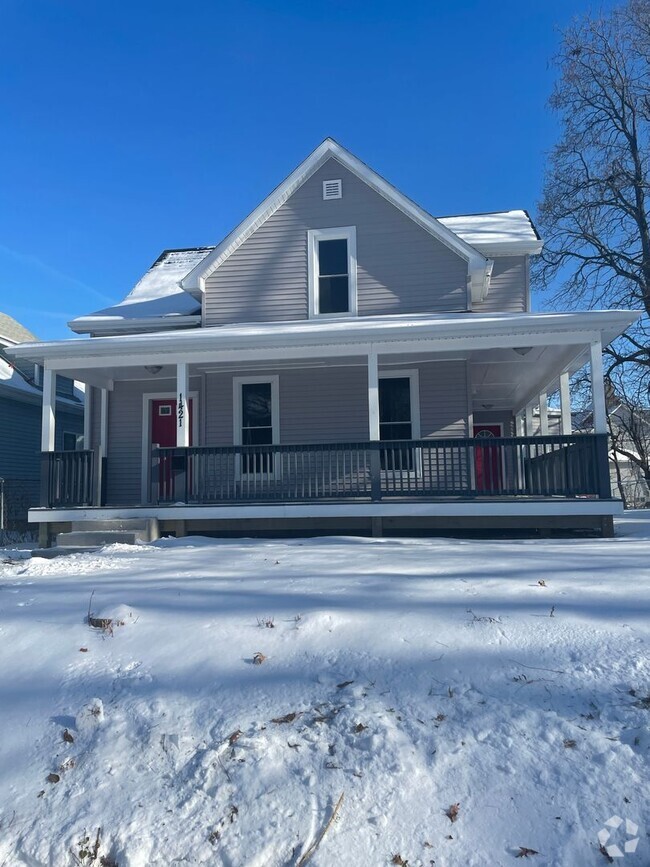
[237,416]
[413,375]
[349,234]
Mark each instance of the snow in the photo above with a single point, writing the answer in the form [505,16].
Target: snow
[157,294]
[12,378]
[490,231]
[423,673]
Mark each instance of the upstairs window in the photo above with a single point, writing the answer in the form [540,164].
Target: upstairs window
[332,272]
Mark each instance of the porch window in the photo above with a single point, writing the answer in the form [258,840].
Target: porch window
[256,411]
[397,421]
[332,272]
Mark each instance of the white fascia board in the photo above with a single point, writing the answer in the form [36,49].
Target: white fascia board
[477,263]
[474,508]
[333,338]
[511,248]
[108,325]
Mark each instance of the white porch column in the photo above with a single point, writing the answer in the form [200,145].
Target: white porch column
[598,387]
[565,403]
[49,407]
[87,416]
[373,397]
[529,420]
[543,414]
[102,446]
[520,425]
[182,405]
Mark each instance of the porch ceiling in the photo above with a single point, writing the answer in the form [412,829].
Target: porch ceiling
[506,379]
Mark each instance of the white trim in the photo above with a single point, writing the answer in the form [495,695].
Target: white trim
[346,233]
[373,397]
[145,450]
[565,403]
[237,382]
[88,416]
[599,405]
[115,325]
[48,410]
[475,508]
[182,417]
[413,375]
[477,263]
[543,414]
[334,337]
[102,445]
[529,420]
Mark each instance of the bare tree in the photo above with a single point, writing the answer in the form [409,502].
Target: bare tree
[594,211]
[593,214]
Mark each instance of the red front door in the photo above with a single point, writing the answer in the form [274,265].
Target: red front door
[487,459]
[163,433]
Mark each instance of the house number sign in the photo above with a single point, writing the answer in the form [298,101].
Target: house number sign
[180,410]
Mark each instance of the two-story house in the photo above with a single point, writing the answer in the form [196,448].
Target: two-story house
[341,362]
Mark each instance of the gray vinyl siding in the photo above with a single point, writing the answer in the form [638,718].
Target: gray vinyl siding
[330,405]
[401,268]
[508,287]
[20,436]
[443,399]
[20,439]
[325,405]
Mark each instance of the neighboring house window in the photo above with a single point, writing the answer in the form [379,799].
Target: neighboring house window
[399,417]
[332,272]
[70,441]
[256,421]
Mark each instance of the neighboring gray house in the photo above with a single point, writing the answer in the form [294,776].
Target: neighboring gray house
[20,427]
[341,361]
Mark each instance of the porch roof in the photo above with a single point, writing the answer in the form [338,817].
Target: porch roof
[335,337]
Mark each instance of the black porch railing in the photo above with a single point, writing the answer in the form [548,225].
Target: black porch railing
[540,466]
[67,478]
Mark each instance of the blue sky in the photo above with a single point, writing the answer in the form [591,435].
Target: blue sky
[128,128]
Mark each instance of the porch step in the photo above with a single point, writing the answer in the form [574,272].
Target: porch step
[96,538]
[51,553]
[133,529]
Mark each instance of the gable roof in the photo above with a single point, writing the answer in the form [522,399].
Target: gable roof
[498,232]
[478,266]
[156,301]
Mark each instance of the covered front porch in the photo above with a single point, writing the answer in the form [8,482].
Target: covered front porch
[364,417]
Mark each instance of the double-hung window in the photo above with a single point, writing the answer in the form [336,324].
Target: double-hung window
[256,422]
[332,272]
[399,418]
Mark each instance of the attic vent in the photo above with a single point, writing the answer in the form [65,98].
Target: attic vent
[332,190]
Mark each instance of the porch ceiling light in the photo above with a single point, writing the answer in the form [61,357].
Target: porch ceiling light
[522,350]
[153,368]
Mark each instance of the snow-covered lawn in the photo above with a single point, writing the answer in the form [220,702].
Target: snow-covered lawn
[510,678]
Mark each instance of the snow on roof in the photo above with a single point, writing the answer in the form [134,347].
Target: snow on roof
[156,295]
[511,231]
[12,378]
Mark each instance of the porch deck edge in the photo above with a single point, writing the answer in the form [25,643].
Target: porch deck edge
[473,508]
